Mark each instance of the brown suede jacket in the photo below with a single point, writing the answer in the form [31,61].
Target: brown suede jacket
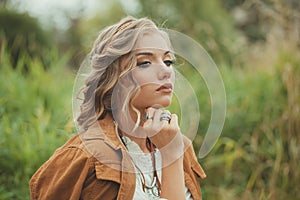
[95,165]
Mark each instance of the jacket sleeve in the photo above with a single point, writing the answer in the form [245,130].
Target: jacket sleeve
[62,176]
[191,159]
[192,170]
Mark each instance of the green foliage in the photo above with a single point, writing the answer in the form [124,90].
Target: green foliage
[206,21]
[255,158]
[82,32]
[258,155]
[35,113]
[22,33]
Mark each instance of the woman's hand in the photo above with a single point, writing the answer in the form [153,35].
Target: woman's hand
[164,134]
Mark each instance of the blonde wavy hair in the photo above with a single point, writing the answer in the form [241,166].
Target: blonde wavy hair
[112,44]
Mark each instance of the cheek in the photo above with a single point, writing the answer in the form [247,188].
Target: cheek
[143,97]
[144,78]
[146,90]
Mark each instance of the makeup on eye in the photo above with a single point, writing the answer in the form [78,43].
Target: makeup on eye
[143,64]
[168,63]
[146,61]
[146,58]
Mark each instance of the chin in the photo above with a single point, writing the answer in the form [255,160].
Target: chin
[162,104]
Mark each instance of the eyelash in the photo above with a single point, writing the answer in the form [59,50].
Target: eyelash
[145,64]
[169,62]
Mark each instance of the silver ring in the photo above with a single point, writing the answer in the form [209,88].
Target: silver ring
[146,117]
[149,117]
[165,116]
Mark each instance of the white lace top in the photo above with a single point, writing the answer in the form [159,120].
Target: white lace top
[143,163]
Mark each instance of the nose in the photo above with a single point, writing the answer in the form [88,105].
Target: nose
[164,72]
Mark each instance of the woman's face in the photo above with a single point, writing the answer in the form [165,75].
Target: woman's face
[154,72]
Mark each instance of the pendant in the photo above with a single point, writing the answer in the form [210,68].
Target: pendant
[155,191]
[153,188]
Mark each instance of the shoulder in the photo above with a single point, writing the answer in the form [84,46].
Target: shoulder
[72,146]
[67,169]
[71,156]
[87,147]
[77,153]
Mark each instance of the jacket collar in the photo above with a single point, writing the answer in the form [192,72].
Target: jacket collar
[106,130]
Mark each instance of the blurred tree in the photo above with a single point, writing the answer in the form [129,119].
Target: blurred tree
[3,3]
[256,18]
[226,27]
[269,27]
[22,33]
[206,21]
[81,34]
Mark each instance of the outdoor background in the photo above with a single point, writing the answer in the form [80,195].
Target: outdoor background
[255,44]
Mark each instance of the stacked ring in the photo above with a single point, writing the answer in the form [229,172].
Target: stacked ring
[165,116]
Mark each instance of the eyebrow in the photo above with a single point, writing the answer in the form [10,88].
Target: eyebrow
[149,53]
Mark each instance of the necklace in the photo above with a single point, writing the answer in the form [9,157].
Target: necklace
[155,185]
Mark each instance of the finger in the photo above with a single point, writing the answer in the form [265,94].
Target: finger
[165,116]
[156,116]
[160,117]
[158,124]
[163,121]
[149,112]
[174,121]
[167,111]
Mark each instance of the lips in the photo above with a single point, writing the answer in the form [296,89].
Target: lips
[166,88]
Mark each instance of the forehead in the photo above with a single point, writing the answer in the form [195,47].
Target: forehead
[152,40]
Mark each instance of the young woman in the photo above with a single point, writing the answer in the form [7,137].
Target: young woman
[130,146]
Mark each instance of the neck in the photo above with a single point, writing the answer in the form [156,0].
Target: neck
[141,141]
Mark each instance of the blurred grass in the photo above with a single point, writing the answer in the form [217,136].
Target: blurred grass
[35,113]
[256,157]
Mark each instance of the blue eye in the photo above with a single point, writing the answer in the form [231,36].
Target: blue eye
[143,64]
[169,62]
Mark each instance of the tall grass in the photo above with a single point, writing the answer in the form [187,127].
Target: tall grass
[256,157]
[35,113]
